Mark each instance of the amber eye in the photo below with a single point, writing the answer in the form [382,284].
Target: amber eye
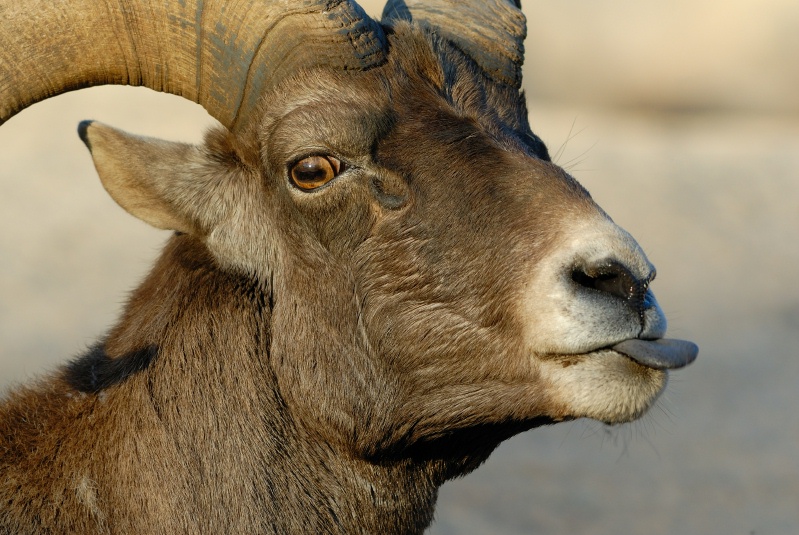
[315,171]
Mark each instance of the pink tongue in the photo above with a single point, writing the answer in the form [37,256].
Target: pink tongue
[659,354]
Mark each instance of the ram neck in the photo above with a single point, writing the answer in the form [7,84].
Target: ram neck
[211,416]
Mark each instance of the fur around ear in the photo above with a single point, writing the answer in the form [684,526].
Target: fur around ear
[166,184]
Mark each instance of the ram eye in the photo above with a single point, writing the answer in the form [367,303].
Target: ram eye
[315,171]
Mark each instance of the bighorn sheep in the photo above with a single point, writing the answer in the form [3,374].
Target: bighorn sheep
[376,275]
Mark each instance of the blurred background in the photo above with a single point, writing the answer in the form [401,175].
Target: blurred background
[680,117]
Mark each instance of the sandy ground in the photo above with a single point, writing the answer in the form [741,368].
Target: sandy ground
[713,199]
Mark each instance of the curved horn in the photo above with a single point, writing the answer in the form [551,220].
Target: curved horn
[217,53]
[491,32]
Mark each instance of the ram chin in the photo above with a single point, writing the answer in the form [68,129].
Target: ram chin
[603,385]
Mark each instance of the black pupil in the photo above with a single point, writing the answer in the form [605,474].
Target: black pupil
[312,170]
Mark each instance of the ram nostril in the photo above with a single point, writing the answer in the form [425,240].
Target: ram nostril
[611,278]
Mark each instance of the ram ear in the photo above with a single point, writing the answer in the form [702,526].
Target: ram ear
[166,184]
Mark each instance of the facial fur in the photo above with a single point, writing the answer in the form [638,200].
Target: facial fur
[422,260]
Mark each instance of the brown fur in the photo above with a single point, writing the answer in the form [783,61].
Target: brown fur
[316,363]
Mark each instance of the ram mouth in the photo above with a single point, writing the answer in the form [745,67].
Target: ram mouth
[660,354]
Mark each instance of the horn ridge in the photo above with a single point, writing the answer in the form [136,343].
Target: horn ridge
[334,34]
[214,52]
[491,32]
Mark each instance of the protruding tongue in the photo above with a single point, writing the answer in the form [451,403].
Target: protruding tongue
[660,354]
